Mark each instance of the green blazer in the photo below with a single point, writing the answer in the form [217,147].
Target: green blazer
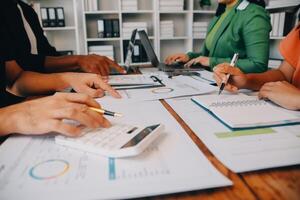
[245,31]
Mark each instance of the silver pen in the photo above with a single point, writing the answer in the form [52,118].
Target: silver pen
[232,63]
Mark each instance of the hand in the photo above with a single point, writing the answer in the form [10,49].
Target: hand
[202,60]
[98,64]
[91,84]
[46,115]
[180,57]
[237,79]
[281,93]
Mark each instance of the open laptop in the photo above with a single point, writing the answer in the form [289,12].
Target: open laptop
[176,67]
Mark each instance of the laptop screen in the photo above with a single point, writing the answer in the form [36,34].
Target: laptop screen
[148,48]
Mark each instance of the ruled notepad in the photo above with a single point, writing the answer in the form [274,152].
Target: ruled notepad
[241,111]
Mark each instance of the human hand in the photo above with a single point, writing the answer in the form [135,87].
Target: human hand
[237,79]
[98,64]
[87,83]
[180,57]
[202,60]
[281,93]
[46,115]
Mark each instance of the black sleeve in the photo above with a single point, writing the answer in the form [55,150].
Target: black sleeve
[6,50]
[44,46]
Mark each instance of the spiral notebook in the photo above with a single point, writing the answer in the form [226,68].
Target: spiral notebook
[241,111]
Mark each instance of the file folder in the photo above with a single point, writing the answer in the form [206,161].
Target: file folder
[100,24]
[115,28]
[52,17]
[44,17]
[108,28]
[60,17]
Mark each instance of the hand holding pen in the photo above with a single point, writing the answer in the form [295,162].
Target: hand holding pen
[224,81]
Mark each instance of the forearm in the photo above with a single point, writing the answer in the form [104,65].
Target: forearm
[61,63]
[32,83]
[7,117]
[256,81]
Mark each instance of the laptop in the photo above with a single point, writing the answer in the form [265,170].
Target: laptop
[176,67]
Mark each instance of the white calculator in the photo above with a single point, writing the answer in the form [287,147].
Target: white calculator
[117,141]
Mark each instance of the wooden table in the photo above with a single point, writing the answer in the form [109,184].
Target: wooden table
[278,183]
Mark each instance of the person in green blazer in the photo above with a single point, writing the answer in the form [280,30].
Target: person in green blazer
[239,26]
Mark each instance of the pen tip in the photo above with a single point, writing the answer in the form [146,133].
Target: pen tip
[118,115]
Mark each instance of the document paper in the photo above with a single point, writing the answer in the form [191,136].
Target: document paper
[177,86]
[37,168]
[241,151]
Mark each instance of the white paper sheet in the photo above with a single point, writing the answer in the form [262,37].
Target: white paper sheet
[37,168]
[277,147]
[204,75]
[130,79]
[176,87]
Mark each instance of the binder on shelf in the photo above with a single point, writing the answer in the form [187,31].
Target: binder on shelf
[52,17]
[100,24]
[108,28]
[60,17]
[115,28]
[45,17]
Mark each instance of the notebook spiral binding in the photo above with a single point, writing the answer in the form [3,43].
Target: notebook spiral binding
[238,103]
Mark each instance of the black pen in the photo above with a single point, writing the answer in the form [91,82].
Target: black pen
[232,63]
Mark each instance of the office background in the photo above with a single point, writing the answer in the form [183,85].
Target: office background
[173,26]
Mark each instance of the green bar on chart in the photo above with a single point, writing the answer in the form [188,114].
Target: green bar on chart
[244,133]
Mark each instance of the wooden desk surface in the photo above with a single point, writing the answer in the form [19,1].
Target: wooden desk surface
[279,183]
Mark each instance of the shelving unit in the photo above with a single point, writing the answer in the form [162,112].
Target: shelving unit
[148,11]
[112,10]
[81,26]
[275,40]
[63,38]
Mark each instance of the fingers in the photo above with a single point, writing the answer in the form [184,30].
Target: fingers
[117,67]
[77,112]
[266,90]
[219,79]
[227,69]
[64,128]
[82,114]
[190,63]
[78,98]
[173,58]
[104,86]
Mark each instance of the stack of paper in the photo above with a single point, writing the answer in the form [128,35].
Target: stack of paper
[128,27]
[90,5]
[277,3]
[103,50]
[129,5]
[171,5]
[167,29]
[200,29]
[274,64]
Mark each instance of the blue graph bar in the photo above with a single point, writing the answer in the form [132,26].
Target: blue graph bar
[112,169]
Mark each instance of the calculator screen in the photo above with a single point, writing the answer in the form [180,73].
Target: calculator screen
[140,136]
